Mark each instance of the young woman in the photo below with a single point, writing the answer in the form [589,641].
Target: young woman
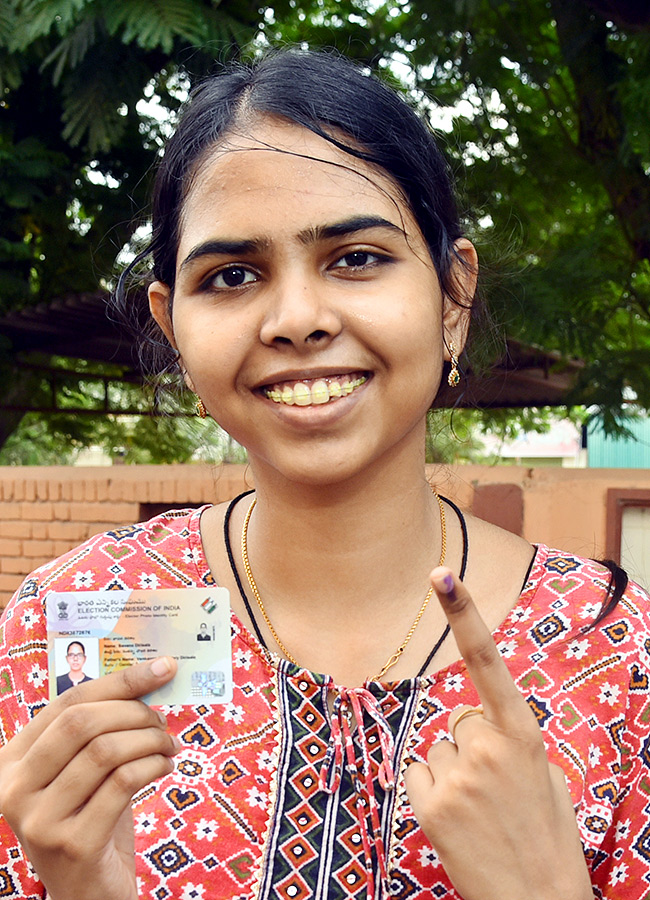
[311,280]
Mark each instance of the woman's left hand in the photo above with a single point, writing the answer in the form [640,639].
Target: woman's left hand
[498,814]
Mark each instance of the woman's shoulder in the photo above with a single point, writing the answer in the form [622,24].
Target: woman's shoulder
[564,574]
[164,551]
[536,582]
[579,606]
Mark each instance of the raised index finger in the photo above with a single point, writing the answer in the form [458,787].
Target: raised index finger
[498,693]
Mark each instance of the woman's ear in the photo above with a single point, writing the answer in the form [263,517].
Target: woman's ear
[159,297]
[457,311]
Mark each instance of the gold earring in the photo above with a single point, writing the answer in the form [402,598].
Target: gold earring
[453,379]
[200,408]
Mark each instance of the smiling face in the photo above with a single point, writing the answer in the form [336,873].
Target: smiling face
[307,311]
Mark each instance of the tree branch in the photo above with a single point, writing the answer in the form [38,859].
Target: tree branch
[595,70]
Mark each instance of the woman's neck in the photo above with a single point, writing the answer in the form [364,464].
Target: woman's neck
[342,569]
[303,538]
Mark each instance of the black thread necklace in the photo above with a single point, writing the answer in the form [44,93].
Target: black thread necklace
[249,609]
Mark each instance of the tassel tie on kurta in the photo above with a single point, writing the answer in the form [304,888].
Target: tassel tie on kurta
[349,707]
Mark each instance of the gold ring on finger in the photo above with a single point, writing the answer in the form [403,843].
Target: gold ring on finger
[470,711]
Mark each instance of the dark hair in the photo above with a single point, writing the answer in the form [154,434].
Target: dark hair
[332,97]
[76,644]
[617,586]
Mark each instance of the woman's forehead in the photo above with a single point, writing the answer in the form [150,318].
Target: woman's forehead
[279,135]
[276,166]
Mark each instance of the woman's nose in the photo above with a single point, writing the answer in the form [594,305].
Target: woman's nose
[300,313]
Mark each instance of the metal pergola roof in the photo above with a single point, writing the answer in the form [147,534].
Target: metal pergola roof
[77,326]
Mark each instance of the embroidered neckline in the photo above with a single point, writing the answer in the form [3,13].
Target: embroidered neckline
[341,752]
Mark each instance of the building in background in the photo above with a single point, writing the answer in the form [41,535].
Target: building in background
[633,510]
[560,446]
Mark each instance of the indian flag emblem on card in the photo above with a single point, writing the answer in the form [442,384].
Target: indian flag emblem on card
[209,604]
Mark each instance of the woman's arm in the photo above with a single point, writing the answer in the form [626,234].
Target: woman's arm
[66,781]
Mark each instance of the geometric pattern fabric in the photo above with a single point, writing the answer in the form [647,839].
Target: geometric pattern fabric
[276,796]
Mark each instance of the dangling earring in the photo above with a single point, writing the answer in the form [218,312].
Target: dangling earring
[200,408]
[453,379]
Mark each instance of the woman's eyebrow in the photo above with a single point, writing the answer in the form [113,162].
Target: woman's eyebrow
[225,247]
[347,226]
[234,247]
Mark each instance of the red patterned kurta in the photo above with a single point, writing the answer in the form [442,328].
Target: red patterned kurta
[273,797]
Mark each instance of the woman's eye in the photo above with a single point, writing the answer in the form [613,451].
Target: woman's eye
[359,259]
[233,276]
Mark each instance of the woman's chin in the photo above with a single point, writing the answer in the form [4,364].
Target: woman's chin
[330,463]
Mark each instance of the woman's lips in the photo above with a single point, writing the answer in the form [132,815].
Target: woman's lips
[314,391]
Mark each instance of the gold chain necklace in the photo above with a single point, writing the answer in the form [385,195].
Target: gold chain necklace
[392,660]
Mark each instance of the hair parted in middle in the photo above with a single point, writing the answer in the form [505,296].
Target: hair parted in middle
[335,99]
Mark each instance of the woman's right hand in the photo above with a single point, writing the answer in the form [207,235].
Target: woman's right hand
[67,779]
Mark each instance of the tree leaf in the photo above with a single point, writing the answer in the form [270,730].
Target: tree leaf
[36,18]
[72,49]
[156,24]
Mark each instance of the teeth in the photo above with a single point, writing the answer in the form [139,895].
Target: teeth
[317,394]
[287,396]
[301,394]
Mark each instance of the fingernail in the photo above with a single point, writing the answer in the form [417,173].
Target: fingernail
[444,583]
[160,667]
[177,744]
[448,582]
[163,719]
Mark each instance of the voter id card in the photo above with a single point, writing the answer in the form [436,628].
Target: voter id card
[93,633]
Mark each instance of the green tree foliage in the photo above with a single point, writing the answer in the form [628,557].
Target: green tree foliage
[76,141]
[545,105]
[126,433]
